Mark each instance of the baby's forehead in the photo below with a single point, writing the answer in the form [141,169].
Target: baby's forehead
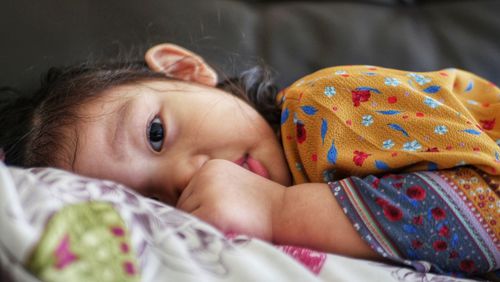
[119,97]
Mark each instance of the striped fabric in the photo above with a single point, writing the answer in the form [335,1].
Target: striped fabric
[446,220]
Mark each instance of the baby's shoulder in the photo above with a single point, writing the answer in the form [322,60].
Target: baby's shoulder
[348,72]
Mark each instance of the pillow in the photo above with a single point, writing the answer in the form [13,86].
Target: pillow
[61,226]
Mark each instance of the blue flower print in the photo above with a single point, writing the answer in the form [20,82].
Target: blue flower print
[412,146]
[330,91]
[431,103]
[367,120]
[390,81]
[498,142]
[420,79]
[441,129]
[388,144]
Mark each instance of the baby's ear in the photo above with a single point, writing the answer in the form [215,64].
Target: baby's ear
[180,63]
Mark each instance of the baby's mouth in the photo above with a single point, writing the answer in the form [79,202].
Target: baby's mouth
[245,165]
[253,165]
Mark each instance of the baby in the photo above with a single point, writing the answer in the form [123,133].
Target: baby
[169,133]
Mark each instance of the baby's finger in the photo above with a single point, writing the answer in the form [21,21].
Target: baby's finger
[188,202]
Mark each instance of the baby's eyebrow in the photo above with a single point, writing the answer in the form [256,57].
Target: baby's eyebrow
[118,127]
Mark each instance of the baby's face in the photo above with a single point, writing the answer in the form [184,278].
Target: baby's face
[153,137]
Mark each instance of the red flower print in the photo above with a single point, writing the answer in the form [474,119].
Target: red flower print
[301,132]
[393,176]
[487,124]
[129,268]
[359,157]
[453,254]
[124,247]
[381,202]
[418,220]
[416,192]
[117,231]
[438,213]
[375,183]
[392,100]
[416,244]
[311,259]
[440,245]
[467,265]
[397,185]
[314,157]
[63,254]
[392,213]
[359,96]
[432,150]
[444,231]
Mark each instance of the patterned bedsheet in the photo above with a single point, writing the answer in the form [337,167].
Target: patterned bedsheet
[56,226]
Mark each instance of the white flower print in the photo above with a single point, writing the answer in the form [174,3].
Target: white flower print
[420,79]
[390,81]
[330,91]
[388,144]
[412,146]
[367,120]
[441,129]
[431,103]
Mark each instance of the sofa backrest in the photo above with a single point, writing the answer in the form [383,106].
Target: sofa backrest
[293,37]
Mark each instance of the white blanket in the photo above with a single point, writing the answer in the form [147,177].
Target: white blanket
[167,244]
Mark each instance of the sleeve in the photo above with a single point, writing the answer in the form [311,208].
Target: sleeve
[429,220]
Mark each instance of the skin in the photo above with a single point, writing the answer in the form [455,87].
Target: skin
[206,132]
[113,139]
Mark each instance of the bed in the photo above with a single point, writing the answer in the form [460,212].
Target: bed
[133,238]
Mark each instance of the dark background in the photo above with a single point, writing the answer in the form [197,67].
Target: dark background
[292,37]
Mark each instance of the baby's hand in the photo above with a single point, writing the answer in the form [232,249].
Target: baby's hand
[233,199]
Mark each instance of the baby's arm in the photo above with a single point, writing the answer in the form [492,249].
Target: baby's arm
[311,217]
[236,200]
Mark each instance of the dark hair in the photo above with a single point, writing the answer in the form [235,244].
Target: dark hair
[35,130]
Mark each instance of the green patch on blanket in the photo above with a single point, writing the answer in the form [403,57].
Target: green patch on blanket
[85,242]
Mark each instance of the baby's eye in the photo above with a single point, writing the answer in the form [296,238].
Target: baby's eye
[156,134]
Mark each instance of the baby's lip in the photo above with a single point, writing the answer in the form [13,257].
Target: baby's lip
[241,160]
[253,165]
